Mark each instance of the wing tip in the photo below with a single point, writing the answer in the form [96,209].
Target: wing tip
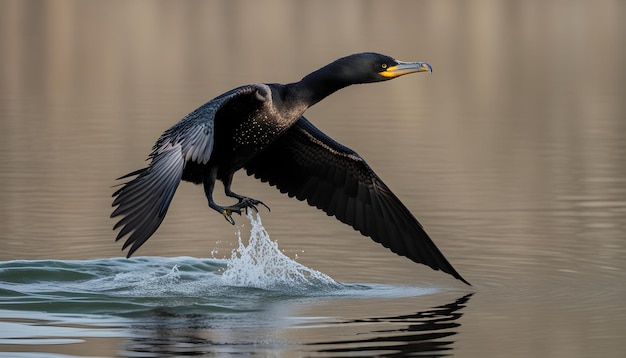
[458,276]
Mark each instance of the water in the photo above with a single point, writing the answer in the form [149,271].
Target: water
[511,153]
[185,305]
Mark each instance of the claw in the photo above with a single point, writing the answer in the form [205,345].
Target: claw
[228,216]
[252,203]
[248,203]
[244,203]
[267,207]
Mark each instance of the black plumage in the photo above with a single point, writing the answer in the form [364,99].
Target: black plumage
[260,128]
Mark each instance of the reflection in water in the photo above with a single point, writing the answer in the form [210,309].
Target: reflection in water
[173,306]
[419,333]
[173,334]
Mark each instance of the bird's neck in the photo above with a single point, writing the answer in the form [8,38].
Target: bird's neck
[317,86]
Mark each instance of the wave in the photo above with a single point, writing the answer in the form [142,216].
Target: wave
[256,272]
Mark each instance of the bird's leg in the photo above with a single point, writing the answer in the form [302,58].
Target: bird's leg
[209,185]
[244,201]
[243,204]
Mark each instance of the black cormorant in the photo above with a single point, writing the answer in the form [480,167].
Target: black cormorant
[260,128]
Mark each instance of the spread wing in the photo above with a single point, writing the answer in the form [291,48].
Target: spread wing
[307,164]
[144,200]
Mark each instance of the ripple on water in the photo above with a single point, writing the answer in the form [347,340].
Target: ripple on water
[257,272]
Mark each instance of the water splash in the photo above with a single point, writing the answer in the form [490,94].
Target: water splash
[261,264]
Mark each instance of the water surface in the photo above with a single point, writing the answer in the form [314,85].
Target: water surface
[245,304]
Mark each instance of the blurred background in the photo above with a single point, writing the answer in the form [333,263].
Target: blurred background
[511,153]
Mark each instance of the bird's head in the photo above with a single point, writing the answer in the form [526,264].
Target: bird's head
[359,68]
[373,67]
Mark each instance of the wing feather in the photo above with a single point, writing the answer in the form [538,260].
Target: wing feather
[311,166]
[143,201]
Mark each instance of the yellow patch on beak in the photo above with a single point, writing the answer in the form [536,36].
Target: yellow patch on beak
[404,68]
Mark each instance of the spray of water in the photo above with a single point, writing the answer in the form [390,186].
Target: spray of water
[261,264]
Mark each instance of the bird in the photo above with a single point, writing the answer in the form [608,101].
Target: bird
[260,128]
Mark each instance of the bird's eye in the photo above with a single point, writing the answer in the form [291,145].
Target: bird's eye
[384,65]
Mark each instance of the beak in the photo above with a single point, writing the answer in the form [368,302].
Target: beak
[404,68]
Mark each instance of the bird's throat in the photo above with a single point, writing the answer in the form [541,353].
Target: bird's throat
[317,86]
